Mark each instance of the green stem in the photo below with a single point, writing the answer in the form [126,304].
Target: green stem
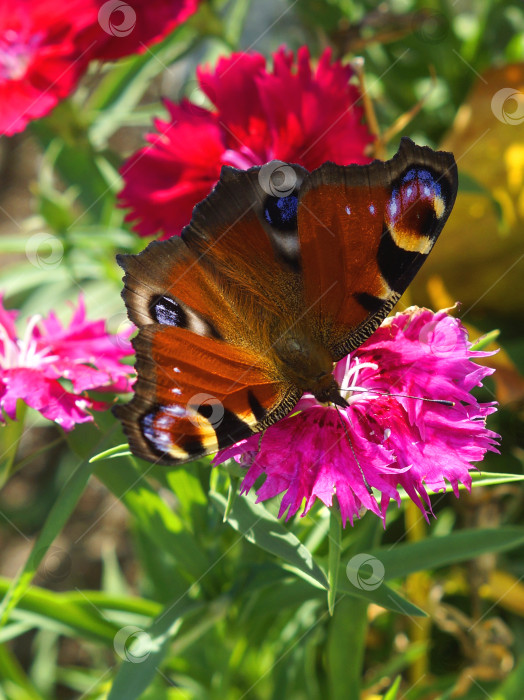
[231,495]
[12,434]
[335,535]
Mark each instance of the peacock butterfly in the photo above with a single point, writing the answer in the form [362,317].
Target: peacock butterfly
[280,274]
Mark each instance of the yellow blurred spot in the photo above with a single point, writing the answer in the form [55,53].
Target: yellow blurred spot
[514,161]
[439,295]
[477,209]
[505,590]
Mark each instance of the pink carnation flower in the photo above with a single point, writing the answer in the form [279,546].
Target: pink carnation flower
[398,441]
[32,367]
[292,113]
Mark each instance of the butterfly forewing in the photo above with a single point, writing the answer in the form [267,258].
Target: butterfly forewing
[364,233]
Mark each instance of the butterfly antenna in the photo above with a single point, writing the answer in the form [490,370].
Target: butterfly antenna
[368,487]
[442,402]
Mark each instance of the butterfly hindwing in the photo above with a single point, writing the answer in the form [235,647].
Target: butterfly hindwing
[195,395]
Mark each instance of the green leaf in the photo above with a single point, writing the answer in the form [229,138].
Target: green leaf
[13,675]
[76,159]
[163,527]
[264,530]
[345,651]
[55,521]
[39,605]
[511,688]
[433,552]
[104,601]
[478,479]
[493,478]
[142,659]
[117,451]
[191,498]
[375,590]
[485,340]
[392,692]
[125,84]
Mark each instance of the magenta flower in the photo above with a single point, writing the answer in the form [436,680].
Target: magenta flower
[292,113]
[33,368]
[398,441]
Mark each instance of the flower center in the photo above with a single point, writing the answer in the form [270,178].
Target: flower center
[15,53]
[23,352]
[349,388]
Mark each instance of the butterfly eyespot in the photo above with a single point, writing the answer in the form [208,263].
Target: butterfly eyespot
[157,424]
[167,312]
[281,212]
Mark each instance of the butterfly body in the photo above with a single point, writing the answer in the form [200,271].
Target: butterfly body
[265,291]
